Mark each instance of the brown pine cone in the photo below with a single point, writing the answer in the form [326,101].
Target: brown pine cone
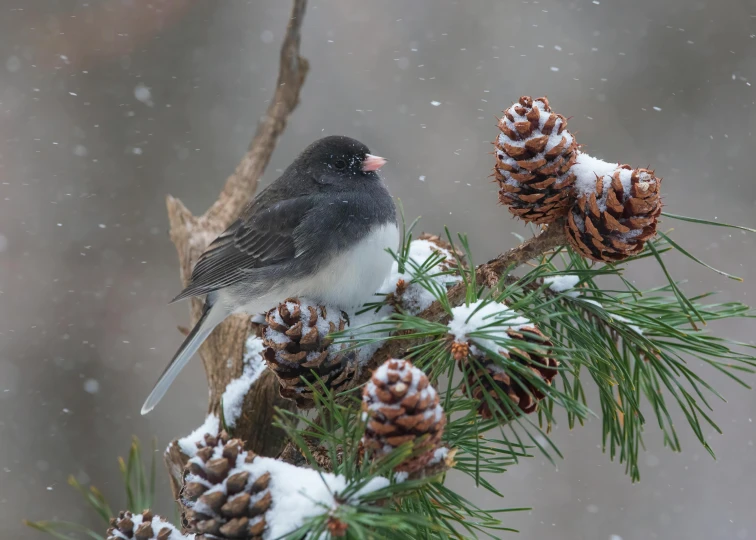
[145,526]
[220,499]
[403,406]
[613,218]
[534,153]
[536,359]
[297,344]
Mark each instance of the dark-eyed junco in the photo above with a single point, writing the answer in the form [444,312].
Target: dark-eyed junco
[319,231]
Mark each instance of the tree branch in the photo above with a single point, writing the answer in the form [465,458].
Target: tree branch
[222,354]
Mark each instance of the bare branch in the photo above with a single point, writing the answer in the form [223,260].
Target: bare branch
[222,354]
[291,76]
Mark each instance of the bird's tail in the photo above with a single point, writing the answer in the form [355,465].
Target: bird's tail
[211,317]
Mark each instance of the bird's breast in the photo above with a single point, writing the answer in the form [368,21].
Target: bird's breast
[351,276]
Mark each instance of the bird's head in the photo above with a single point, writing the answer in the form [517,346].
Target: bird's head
[339,161]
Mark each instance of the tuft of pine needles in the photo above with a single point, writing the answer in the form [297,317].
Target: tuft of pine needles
[636,347]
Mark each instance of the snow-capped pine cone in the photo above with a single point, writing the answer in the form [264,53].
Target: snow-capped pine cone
[534,153]
[402,406]
[297,345]
[144,526]
[219,498]
[612,219]
[490,376]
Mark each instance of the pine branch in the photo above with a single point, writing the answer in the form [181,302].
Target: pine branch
[487,274]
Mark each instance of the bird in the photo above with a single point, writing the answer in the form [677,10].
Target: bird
[322,230]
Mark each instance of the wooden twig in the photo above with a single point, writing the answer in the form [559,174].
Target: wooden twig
[222,353]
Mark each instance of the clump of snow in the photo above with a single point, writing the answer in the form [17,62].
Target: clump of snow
[237,389]
[142,93]
[559,284]
[416,298]
[491,318]
[158,525]
[401,476]
[586,169]
[253,347]
[296,493]
[91,386]
[634,327]
[592,302]
[188,444]
[439,455]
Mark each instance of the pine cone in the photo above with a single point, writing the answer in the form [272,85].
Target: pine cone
[534,153]
[221,500]
[297,344]
[537,360]
[145,526]
[612,219]
[403,406]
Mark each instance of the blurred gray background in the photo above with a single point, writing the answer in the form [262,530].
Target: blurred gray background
[107,106]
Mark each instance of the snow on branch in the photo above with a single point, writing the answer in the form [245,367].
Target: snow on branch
[237,389]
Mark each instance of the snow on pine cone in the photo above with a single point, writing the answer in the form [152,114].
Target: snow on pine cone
[144,526]
[492,379]
[534,153]
[413,298]
[220,498]
[614,214]
[297,344]
[402,406]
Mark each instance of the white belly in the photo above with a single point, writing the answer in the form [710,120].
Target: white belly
[352,277]
[349,280]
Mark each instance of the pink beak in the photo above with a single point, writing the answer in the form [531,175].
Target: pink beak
[372,163]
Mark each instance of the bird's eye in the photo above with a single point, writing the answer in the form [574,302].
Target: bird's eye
[340,164]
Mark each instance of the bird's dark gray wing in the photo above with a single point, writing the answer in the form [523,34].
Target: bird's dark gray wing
[262,237]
